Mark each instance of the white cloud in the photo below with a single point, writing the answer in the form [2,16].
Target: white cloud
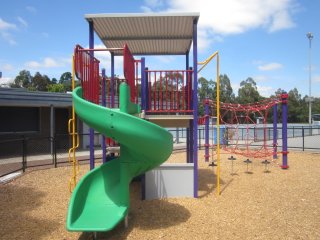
[5,28]
[8,38]
[270,66]
[238,16]
[47,62]
[265,91]
[219,18]
[154,3]
[105,60]
[6,25]
[5,81]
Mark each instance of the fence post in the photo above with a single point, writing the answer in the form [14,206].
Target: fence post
[206,132]
[302,138]
[54,151]
[24,154]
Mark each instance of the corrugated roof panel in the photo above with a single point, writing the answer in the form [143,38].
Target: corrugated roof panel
[146,33]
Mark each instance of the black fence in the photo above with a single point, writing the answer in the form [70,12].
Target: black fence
[29,152]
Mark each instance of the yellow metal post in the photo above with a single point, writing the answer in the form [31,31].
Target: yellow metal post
[204,63]
[75,140]
[218,124]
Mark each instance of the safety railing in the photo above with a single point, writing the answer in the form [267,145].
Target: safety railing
[87,70]
[169,91]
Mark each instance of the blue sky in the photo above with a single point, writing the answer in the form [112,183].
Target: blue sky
[262,39]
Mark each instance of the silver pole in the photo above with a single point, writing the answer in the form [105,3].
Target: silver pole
[310,37]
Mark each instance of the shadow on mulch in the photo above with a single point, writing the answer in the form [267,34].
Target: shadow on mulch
[207,182]
[147,215]
[16,206]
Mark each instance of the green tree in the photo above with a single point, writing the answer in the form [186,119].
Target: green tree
[297,107]
[40,82]
[66,80]
[23,80]
[56,88]
[248,92]
[54,81]
[205,90]
[226,91]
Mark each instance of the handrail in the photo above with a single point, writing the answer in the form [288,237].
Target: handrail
[75,139]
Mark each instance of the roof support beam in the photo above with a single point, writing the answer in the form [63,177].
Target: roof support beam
[133,38]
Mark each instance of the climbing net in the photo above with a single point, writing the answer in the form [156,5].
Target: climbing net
[244,128]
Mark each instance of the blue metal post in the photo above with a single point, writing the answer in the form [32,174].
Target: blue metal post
[275,131]
[112,80]
[284,97]
[188,129]
[143,85]
[103,103]
[91,131]
[206,132]
[195,108]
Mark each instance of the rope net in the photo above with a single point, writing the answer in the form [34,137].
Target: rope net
[244,130]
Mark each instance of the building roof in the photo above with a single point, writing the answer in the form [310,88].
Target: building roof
[146,33]
[16,97]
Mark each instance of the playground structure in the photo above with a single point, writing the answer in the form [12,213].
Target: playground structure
[128,111]
[165,97]
[246,117]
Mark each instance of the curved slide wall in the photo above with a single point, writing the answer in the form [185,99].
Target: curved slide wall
[101,198]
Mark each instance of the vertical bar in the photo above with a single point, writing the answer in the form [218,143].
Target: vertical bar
[275,130]
[160,89]
[188,129]
[166,91]
[143,85]
[104,103]
[195,108]
[91,131]
[284,97]
[218,124]
[155,92]
[302,138]
[183,90]
[24,154]
[206,132]
[112,80]
[51,128]
[137,81]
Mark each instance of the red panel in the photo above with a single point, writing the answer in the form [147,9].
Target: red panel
[87,70]
[128,70]
[169,91]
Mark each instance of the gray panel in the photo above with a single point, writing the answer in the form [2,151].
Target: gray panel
[170,180]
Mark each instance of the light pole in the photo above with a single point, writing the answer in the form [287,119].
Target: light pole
[310,37]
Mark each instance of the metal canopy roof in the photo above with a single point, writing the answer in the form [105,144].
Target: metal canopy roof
[146,33]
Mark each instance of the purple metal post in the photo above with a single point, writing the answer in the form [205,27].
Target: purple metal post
[91,131]
[275,130]
[103,103]
[188,129]
[195,109]
[206,130]
[284,97]
[144,89]
[112,80]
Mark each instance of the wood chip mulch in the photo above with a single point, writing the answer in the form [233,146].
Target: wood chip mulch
[273,204]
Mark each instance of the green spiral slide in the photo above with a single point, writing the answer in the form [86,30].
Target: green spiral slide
[101,198]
